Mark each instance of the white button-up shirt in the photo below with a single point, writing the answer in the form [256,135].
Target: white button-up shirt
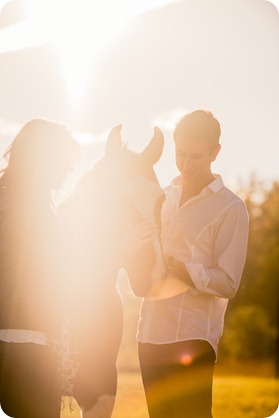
[209,233]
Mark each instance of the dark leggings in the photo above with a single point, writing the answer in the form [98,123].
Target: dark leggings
[28,382]
[178,378]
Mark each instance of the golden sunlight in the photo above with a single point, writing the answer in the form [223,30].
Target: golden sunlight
[80,30]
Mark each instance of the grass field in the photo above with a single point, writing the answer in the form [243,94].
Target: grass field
[233,397]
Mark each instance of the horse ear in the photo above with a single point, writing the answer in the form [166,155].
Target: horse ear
[154,149]
[114,141]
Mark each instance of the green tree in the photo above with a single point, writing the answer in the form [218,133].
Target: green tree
[261,273]
[249,334]
[260,279]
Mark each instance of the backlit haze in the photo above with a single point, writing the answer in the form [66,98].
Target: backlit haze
[93,65]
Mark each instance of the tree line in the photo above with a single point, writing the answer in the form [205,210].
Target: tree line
[251,329]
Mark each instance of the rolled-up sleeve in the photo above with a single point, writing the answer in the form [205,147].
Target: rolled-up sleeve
[223,277]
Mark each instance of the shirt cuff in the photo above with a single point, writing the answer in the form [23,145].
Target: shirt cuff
[198,275]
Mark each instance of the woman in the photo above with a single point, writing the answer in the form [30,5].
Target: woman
[31,259]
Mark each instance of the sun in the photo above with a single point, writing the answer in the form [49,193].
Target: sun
[79,31]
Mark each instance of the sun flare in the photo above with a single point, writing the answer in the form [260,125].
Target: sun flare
[79,30]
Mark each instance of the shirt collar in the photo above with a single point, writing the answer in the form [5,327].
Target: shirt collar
[215,186]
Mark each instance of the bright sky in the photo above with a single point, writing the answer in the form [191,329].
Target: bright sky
[98,22]
[71,22]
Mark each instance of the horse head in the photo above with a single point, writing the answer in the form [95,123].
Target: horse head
[136,175]
[141,201]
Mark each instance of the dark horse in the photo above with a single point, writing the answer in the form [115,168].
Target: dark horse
[118,192]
